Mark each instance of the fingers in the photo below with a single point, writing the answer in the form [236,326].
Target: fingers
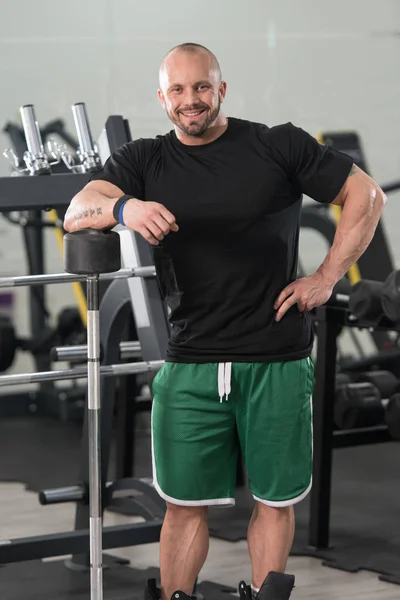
[285,307]
[168,217]
[158,224]
[148,236]
[288,291]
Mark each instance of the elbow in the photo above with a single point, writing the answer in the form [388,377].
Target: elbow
[379,199]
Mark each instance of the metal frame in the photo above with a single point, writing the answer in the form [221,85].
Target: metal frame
[40,193]
[115,311]
[77,542]
[330,319]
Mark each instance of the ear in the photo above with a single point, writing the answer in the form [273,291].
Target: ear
[161,97]
[222,91]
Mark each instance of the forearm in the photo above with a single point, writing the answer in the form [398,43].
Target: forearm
[354,232]
[90,209]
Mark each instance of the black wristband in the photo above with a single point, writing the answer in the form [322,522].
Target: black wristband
[117,205]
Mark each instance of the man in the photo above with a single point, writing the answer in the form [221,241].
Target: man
[219,199]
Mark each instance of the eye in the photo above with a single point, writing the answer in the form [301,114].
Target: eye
[176,89]
[204,86]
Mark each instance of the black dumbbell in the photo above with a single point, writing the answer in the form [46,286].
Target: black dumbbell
[363,402]
[365,300]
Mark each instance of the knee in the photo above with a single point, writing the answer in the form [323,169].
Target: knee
[277,512]
[186,513]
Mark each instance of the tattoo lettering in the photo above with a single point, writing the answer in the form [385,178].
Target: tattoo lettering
[87,213]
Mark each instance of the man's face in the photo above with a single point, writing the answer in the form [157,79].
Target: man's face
[191,91]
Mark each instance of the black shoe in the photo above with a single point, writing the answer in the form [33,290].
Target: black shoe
[178,595]
[151,591]
[277,586]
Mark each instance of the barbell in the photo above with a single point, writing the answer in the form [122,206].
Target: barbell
[81,372]
[78,352]
[48,278]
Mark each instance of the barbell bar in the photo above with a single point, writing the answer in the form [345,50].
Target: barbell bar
[27,280]
[78,352]
[81,372]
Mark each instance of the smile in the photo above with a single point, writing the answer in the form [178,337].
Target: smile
[193,114]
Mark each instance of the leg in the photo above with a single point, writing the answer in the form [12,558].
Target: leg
[270,538]
[274,420]
[183,548]
[195,454]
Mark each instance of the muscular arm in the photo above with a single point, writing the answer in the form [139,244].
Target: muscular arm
[362,202]
[92,207]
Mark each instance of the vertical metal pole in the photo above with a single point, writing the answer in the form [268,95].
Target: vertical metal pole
[323,403]
[94,438]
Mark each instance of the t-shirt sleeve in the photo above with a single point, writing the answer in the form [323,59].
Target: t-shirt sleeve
[124,169]
[316,170]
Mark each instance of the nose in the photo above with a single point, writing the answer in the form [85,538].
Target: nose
[190,98]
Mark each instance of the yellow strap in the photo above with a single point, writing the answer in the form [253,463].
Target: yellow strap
[353,273]
[76,286]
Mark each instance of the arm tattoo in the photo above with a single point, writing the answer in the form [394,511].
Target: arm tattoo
[353,170]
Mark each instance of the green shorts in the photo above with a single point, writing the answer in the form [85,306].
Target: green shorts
[204,414]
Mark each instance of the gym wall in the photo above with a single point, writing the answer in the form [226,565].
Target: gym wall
[322,65]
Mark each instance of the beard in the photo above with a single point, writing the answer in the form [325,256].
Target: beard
[197,128]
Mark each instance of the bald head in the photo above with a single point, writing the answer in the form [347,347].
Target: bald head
[191,50]
[191,90]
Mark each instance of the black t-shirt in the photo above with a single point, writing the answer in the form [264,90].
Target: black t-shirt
[237,201]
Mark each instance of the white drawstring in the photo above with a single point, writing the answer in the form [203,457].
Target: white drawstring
[224,380]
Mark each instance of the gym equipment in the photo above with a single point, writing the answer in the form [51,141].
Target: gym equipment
[39,188]
[87,151]
[30,280]
[8,343]
[78,353]
[35,158]
[116,297]
[363,402]
[331,317]
[341,379]
[392,416]
[386,382]
[365,300]
[80,372]
[93,252]
[390,297]
[358,405]
[16,134]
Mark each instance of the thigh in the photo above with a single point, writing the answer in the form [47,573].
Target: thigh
[274,419]
[194,440]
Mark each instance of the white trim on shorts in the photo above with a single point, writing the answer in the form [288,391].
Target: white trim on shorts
[297,499]
[210,502]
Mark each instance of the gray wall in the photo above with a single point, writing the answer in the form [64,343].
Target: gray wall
[322,65]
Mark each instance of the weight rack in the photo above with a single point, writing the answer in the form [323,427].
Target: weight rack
[331,319]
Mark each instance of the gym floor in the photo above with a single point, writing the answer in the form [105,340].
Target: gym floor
[22,516]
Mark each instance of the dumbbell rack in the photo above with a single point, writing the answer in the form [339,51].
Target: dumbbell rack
[331,319]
